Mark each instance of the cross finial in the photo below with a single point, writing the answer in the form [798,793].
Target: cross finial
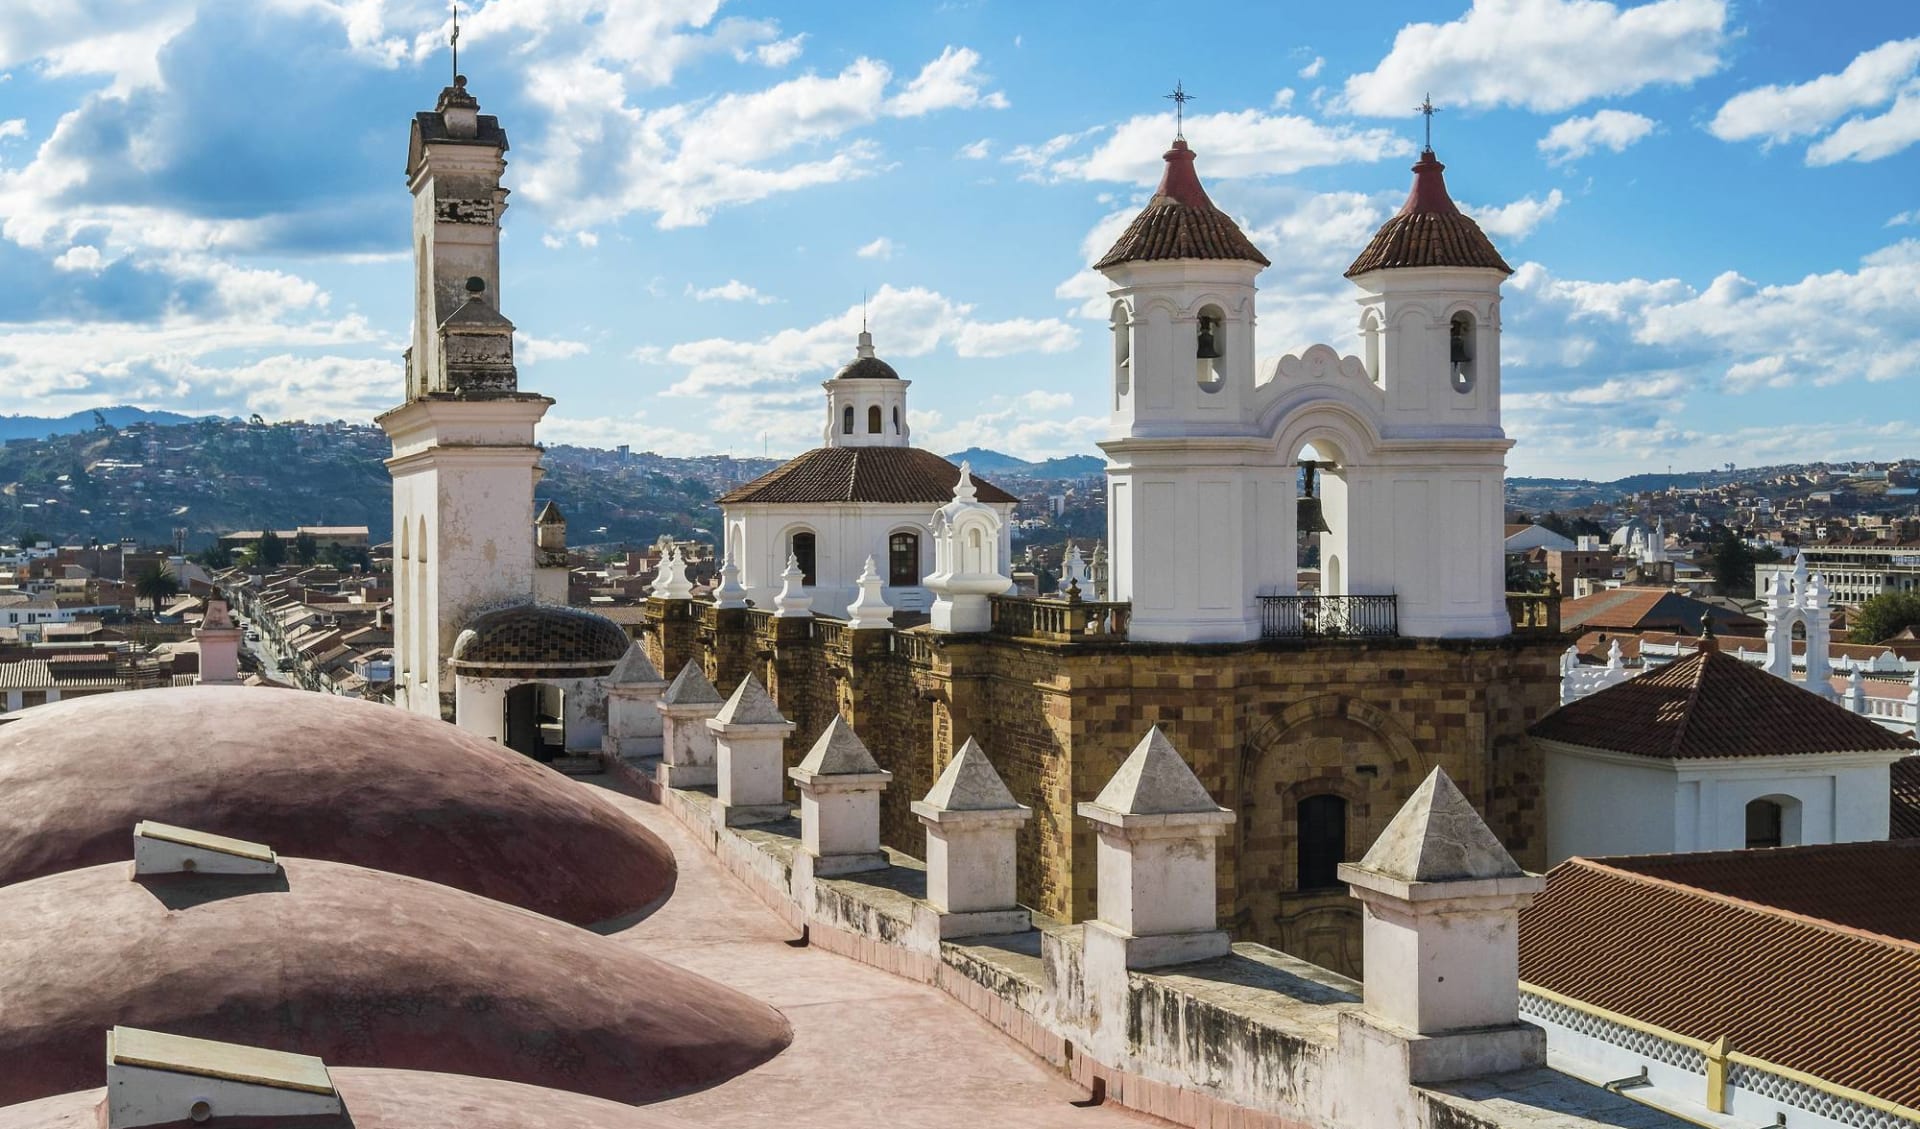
[454,40]
[1179,98]
[1428,109]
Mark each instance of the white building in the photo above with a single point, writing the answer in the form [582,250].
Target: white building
[1708,754]
[867,492]
[1204,446]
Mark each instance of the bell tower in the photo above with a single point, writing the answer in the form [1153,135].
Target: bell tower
[866,402]
[464,458]
[1180,489]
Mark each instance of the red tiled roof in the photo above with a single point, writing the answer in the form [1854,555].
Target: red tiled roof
[862,474]
[1712,705]
[1835,1002]
[1903,810]
[1651,609]
[1874,886]
[1180,222]
[1429,231]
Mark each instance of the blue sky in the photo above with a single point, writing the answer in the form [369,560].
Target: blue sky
[1712,206]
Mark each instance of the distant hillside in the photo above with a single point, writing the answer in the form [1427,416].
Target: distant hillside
[993,463]
[39,427]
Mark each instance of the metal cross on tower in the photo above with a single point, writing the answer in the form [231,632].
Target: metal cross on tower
[1179,98]
[1428,109]
[454,39]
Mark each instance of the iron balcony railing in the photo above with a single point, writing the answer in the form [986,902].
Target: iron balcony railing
[1328,617]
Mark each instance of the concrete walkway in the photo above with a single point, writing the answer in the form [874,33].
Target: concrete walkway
[869,1049]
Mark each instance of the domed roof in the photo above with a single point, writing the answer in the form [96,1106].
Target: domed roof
[864,365]
[540,640]
[358,967]
[1181,222]
[1429,230]
[403,1099]
[318,776]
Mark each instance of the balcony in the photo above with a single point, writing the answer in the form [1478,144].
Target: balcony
[1329,617]
[1071,620]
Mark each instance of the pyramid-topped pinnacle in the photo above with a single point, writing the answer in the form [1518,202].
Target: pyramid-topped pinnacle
[970,783]
[691,688]
[634,668]
[1154,780]
[750,705]
[1437,836]
[839,752]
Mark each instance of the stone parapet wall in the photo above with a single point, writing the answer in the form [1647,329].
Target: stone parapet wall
[1263,725]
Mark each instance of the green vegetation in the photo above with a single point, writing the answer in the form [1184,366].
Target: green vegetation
[1884,616]
[1732,561]
[156,586]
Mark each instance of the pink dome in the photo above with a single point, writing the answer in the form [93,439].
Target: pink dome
[316,776]
[359,967]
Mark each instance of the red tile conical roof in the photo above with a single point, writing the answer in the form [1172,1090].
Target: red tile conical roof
[1429,231]
[1180,222]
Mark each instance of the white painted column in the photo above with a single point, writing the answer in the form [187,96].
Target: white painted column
[686,744]
[749,740]
[972,824]
[840,785]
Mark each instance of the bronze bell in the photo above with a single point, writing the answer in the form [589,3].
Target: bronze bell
[1309,519]
[1209,345]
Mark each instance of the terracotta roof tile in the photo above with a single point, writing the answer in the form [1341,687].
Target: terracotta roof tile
[1904,809]
[1651,609]
[861,474]
[1181,222]
[1711,705]
[1429,231]
[1835,1002]
[1873,886]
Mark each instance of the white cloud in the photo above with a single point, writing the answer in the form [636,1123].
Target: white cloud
[976,151]
[1780,113]
[1312,70]
[1899,219]
[1543,55]
[531,350]
[1608,129]
[732,290]
[13,128]
[881,248]
[1027,426]
[907,322]
[1871,138]
[950,82]
[80,258]
[1242,143]
[1282,98]
[780,52]
[1517,220]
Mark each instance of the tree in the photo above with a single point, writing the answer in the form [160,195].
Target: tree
[156,584]
[306,550]
[269,551]
[216,556]
[1732,562]
[1884,616]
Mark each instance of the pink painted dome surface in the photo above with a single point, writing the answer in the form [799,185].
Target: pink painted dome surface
[401,1099]
[359,967]
[316,776]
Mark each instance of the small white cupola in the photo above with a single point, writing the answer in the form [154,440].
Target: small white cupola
[867,402]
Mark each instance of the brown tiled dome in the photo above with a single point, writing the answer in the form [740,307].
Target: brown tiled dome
[361,968]
[1180,222]
[1429,231]
[318,776]
[536,640]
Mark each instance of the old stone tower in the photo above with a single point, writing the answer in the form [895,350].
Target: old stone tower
[464,460]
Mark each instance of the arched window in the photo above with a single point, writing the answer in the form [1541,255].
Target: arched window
[1764,824]
[1460,345]
[873,420]
[802,549]
[1323,841]
[896,419]
[846,420]
[903,560]
[1370,340]
[1210,348]
[1122,353]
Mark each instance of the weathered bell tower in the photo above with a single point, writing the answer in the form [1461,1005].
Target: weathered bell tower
[464,458]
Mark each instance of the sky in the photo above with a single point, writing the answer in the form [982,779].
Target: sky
[1713,207]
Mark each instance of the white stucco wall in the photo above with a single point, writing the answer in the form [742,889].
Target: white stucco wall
[844,536]
[480,708]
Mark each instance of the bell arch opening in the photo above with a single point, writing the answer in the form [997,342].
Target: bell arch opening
[1209,348]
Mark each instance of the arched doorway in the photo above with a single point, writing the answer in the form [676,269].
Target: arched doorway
[536,720]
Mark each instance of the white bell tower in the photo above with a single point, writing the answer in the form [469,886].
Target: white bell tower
[464,458]
[866,402]
[1179,495]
